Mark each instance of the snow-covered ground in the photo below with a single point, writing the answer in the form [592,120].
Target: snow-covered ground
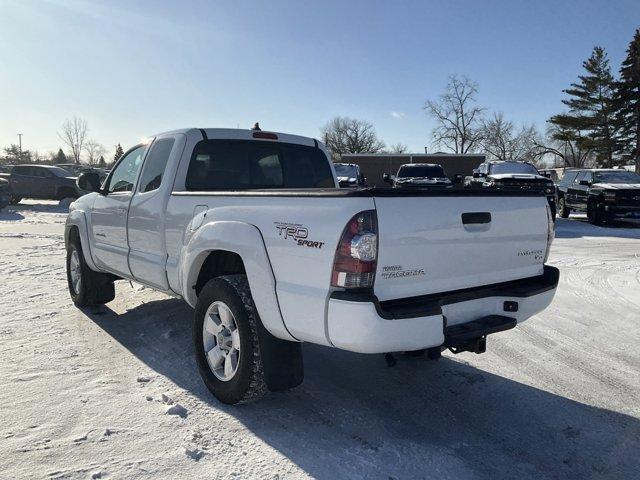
[93,394]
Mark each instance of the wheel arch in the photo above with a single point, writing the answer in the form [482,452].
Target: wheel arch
[231,247]
[77,225]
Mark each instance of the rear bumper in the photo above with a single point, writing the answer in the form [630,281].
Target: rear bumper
[359,322]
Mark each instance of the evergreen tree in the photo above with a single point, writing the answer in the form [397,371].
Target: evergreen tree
[60,157]
[119,153]
[102,163]
[628,102]
[589,120]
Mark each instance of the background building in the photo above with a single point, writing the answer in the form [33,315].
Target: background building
[373,165]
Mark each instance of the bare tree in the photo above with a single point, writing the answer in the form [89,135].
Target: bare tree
[349,135]
[458,117]
[94,151]
[397,148]
[501,140]
[567,147]
[73,134]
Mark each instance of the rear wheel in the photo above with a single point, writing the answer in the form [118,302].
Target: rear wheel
[563,210]
[225,336]
[86,286]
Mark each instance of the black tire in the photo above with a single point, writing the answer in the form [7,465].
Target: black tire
[563,210]
[95,288]
[596,213]
[15,200]
[248,383]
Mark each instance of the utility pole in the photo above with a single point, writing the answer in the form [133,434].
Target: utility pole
[20,146]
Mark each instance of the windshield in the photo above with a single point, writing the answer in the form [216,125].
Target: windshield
[429,171]
[617,177]
[343,170]
[513,167]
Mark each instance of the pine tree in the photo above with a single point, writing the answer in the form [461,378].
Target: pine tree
[119,153]
[60,157]
[101,162]
[591,107]
[628,102]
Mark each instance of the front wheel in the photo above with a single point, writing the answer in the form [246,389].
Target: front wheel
[563,210]
[596,213]
[225,336]
[86,286]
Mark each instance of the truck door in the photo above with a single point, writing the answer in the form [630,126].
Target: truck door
[571,196]
[44,183]
[146,225]
[109,214]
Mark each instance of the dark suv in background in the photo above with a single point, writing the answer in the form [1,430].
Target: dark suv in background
[511,175]
[42,182]
[604,194]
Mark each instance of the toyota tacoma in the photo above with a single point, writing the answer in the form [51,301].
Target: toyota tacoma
[252,231]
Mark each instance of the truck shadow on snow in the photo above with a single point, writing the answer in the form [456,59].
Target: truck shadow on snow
[353,417]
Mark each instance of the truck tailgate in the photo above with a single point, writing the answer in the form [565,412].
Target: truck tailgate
[432,244]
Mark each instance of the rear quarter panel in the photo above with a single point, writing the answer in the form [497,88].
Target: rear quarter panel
[300,235]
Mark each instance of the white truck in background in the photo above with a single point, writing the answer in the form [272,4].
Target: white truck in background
[250,229]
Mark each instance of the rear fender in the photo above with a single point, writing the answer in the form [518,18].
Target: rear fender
[246,241]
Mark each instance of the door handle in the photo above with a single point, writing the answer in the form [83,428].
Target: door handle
[122,211]
[476,217]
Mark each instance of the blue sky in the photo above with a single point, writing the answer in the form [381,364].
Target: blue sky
[134,68]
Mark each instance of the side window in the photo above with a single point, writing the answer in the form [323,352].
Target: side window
[484,168]
[22,171]
[124,174]
[155,164]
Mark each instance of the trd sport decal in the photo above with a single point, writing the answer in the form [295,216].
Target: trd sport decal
[298,233]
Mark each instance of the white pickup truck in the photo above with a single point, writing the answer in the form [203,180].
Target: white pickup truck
[250,229]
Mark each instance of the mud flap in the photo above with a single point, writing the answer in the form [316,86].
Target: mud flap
[282,361]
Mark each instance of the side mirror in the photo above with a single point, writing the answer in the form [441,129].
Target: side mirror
[343,183]
[477,174]
[89,181]
[386,178]
[585,183]
[546,174]
[457,178]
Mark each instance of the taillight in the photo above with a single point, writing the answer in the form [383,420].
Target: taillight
[551,233]
[354,265]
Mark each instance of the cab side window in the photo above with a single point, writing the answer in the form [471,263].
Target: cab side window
[125,173]
[155,164]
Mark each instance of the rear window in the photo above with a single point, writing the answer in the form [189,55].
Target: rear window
[246,164]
